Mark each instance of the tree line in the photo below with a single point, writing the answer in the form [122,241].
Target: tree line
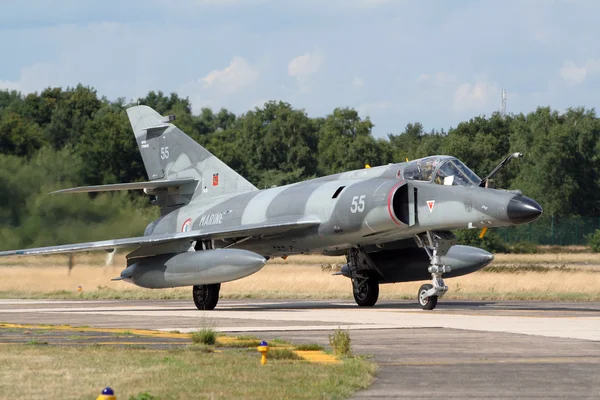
[63,137]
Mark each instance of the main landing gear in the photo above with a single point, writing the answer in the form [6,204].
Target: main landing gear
[436,244]
[206,297]
[363,273]
[365,289]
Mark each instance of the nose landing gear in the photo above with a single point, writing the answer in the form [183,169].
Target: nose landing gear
[436,244]
[427,303]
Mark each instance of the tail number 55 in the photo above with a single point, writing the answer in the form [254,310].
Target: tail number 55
[164,153]
[358,204]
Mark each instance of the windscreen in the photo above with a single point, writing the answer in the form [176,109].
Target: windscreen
[454,172]
[441,170]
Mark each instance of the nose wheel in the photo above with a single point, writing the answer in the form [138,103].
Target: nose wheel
[436,244]
[427,303]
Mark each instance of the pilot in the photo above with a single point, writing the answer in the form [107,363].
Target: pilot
[439,178]
[427,170]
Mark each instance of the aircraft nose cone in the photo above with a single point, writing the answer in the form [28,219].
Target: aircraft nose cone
[522,209]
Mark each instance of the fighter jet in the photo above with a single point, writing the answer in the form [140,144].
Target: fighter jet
[392,222]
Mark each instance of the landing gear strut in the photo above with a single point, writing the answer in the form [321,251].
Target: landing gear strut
[363,273]
[206,297]
[436,244]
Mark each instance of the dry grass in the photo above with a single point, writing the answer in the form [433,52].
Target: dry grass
[302,277]
[556,258]
[39,372]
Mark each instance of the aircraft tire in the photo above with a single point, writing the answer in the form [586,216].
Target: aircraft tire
[368,294]
[426,303]
[206,297]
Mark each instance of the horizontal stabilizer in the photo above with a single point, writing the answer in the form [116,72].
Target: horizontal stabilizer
[159,184]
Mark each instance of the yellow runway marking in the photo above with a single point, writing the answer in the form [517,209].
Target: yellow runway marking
[144,343]
[68,337]
[123,331]
[317,356]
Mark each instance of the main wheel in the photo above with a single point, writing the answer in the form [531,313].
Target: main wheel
[367,293]
[427,303]
[206,297]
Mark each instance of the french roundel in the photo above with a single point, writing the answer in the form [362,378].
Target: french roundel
[187,225]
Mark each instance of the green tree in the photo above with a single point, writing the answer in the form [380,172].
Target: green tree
[19,136]
[414,143]
[110,149]
[481,143]
[163,104]
[74,109]
[346,143]
[547,172]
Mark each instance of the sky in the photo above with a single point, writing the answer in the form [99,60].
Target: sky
[438,62]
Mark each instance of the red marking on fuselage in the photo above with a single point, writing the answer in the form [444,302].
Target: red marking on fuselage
[390,195]
[430,204]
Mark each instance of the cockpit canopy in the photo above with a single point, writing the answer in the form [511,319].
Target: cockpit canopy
[443,170]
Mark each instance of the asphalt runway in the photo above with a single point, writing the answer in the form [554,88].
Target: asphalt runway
[460,350]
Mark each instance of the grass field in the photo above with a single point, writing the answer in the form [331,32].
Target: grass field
[37,371]
[572,276]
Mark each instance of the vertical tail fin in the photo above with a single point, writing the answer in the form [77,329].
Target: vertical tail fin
[168,153]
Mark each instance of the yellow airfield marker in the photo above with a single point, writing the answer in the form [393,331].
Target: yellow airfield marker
[263,348]
[107,394]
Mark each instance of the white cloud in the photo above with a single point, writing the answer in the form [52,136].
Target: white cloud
[477,96]
[303,67]
[358,82]
[36,77]
[438,78]
[576,75]
[306,64]
[10,85]
[367,109]
[65,60]
[225,87]
[237,75]
[572,73]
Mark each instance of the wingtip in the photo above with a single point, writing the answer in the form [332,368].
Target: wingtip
[59,191]
[11,253]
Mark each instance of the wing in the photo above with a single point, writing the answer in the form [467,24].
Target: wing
[252,231]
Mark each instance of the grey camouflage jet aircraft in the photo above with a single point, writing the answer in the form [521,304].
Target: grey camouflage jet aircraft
[392,222]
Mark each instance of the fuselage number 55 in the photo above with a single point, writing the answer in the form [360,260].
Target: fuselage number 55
[358,204]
